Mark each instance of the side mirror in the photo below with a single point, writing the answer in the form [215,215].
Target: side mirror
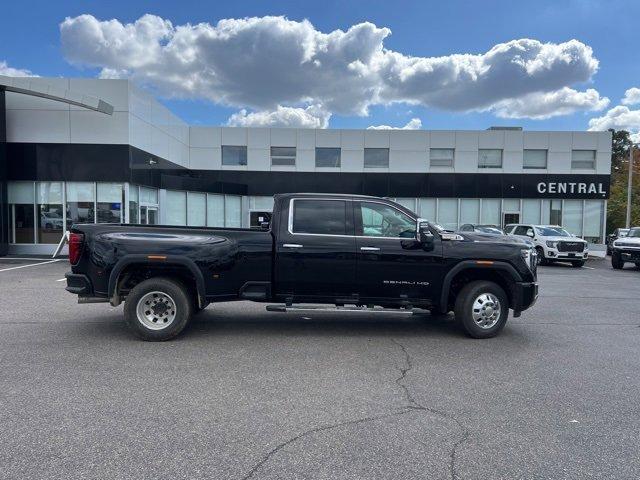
[423,233]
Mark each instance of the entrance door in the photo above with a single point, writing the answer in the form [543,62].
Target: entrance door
[509,218]
[148,215]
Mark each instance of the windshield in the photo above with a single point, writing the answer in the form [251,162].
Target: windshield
[634,232]
[494,230]
[623,232]
[553,232]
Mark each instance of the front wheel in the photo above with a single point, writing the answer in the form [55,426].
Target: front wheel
[482,309]
[540,258]
[158,309]
[616,261]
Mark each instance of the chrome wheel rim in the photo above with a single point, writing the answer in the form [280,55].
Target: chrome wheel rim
[156,310]
[486,310]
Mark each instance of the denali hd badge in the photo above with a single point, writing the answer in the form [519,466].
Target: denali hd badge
[405,282]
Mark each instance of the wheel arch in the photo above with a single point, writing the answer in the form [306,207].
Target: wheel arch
[498,272]
[161,265]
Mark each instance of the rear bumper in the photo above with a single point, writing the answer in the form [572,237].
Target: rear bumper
[525,295]
[78,284]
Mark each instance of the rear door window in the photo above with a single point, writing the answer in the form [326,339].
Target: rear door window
[319,217]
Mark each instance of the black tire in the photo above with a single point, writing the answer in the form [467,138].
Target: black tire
[171,288]
[637,264]
[577,264]
[616,261]
[608,250]
[465,305]
[541,258]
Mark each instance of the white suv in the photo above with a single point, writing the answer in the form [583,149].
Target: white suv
[552,242]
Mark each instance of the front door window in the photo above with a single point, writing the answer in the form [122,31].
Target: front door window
[379,220]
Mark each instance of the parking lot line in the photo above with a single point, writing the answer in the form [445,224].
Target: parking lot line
[61,280]
[29,265]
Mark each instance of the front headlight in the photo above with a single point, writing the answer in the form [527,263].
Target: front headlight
[552,244]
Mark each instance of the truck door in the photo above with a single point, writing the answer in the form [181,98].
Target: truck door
[315,250]
[391,264]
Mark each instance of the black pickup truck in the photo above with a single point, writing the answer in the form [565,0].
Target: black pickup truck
[344,251]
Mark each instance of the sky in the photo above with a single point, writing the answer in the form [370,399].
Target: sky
[542,65]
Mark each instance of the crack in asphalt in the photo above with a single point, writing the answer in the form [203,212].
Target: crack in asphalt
[411,406]
[323,428]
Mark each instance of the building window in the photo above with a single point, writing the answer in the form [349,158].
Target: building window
[234,155]
[376,158]
[534,159]
[593,213]
[427,208]
[327,157]
[555,212]
[232,211]
[133,203]
[531,211]
[583,159]
[489,158]
[283,156]
[324,217]
[215,210]
[80,202]
[21,198]
[50,212]
[196,209]
[448,213]
[176,208]
[490,213]
[441,157]
[469,210]
[109,204]
[572,216]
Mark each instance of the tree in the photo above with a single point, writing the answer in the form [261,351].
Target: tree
[617,204]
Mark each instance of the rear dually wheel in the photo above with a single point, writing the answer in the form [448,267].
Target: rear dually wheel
[158,309]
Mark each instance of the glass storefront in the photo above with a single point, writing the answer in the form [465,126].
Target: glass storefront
[39,212]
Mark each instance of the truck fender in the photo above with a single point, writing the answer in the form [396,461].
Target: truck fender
[164,260]
[467,264]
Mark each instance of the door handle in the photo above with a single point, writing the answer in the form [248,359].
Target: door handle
[291,245]
[370,249]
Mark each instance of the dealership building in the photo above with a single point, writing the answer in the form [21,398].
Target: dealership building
[91,150]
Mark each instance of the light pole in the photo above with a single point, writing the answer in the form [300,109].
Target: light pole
[629,185]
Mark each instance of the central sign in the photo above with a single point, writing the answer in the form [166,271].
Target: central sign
[572,188]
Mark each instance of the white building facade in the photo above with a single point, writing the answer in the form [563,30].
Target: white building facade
[142,164]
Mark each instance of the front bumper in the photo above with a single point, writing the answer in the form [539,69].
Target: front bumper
[554,254]
[78,284]
[628,254]
[525,295]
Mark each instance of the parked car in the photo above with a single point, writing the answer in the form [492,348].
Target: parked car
[626,249]
[613,236]
[472,227]
[553,243]
[350,252]
[51,221]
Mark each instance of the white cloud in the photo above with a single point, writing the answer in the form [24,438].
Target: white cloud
[413,124]
[14,72]
[631,96]
[619,117]
[550,104]
[314,116]
[269,62]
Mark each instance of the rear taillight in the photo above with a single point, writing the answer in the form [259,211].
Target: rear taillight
[75,247]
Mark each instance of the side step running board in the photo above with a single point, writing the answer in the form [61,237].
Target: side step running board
[341,309]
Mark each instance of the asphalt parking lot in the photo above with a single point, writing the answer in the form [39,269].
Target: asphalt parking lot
[244,393]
